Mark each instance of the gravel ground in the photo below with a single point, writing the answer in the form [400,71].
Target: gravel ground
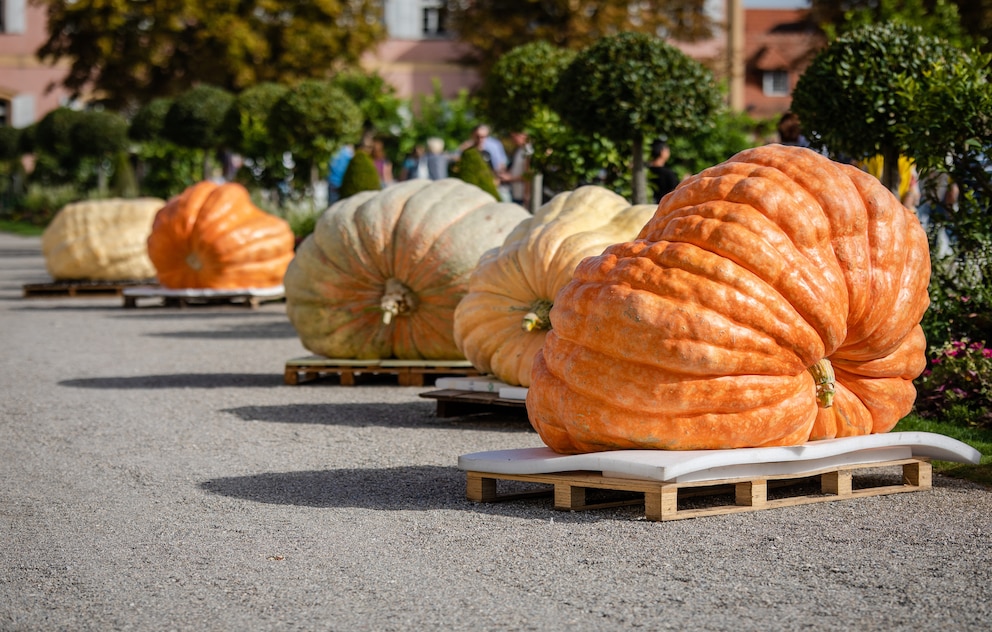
[158,475]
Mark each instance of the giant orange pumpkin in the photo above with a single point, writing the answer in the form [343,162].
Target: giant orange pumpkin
[773,299]
[211,236]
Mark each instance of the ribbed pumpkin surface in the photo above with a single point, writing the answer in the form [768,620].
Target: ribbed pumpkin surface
[211,236]
[382,273]
[707,330]
[501,323]
[101,240]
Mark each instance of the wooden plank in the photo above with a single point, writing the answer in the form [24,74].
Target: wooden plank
[454,403]
[661,498]
[349,371]
[78,289]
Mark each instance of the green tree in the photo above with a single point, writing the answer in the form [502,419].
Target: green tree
[98,136]
[360,175]
[55,160]
[492,28]
[131,51]
[849,98]
[245,129]
[632,85]
[963,23]
[194,120]
[164,168]
[382,110]
[472,168]
[312,121]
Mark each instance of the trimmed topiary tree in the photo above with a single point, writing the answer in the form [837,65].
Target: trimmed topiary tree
[99,136]
[850,99]
[472,168]
[360,175]
[194,120]
[245,130]
[312,120]
[149,121]
[631,86]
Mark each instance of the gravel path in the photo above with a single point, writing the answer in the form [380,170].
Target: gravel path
[157,475]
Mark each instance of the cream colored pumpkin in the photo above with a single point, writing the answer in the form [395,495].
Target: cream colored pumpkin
[503,320]
[103,240]
[383,271]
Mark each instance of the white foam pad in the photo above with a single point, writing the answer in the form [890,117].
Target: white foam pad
[704,465]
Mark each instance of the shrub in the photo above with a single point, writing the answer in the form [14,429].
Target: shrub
[958,383]
[472,168]
[149,121]
[360,175]
[194,118]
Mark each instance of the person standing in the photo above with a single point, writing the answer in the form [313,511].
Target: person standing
[662,177]
[382,164]
[516,174]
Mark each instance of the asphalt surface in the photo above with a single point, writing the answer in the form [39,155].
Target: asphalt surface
[156,474]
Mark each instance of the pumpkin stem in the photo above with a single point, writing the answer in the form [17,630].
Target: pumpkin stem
[397,299]
[539,316]
[823,377]
[193,261]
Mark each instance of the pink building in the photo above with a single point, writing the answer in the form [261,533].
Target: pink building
[24,81]
[420,52]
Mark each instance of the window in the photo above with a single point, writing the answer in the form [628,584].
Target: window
[4,112]
[12,18]
[435,19]
[775,83]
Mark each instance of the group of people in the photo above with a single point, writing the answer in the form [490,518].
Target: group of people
[430,161]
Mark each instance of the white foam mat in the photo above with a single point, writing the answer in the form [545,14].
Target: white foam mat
[703,465]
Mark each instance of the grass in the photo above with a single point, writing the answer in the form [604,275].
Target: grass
[978,438]
[20,228]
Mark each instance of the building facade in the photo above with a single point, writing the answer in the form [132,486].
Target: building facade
[421,52]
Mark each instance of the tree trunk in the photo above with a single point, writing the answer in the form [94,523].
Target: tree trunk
[640,178]
[536,192]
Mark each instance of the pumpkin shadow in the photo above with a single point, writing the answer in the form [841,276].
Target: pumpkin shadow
[404,488]
[399,415]
[247,331]
[179,380]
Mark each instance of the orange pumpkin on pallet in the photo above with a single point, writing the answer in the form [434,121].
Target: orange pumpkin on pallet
[773,299]
[211,236]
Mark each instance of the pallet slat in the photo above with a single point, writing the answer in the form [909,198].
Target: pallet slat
[164,297]
[82,288]
[349,371]
[661,498]
[456,403]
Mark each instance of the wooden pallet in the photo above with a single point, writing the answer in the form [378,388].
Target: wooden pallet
[668,500]
[162,297]
[455,403]
[78,288]
[349,372]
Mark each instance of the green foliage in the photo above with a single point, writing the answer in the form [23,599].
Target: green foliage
[149,121]
[123,182]
[615,86]
[849,98]
[522,83]
[194,118]
[451,120]
[472,168]
[728,134]
[940,18]
[360,175]
[959,377]
[244,128]
[131,52]
[41,202]
[98,134]
[10,143]
[167,169]
[492,28]
[312,120]
[632,85]
[28,142]
[381,108]
[54,132]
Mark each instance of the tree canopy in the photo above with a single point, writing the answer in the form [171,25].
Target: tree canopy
[130,51]
[851,100]
[494,27]
[631,86]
